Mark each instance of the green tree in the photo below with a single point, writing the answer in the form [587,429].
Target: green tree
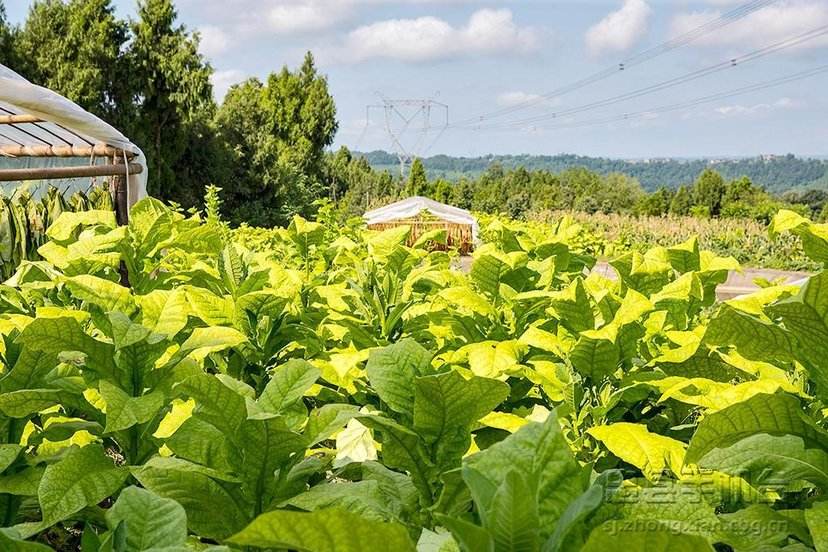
[277,134]
[171,81]
[337,172]
[75,48]
[656,203]
[463,194]
[741,189]
[708,191]
[7,35]
[682,202]
[301,114]
[417,180]
[443,190]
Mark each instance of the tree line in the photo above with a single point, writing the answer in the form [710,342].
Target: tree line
[775,173]
[520,192]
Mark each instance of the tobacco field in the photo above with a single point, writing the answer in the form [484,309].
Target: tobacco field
[326,388]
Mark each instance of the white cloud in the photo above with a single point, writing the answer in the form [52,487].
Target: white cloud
[768,25]
[213,40]
[756,109]
[429,38]
[223,80]
[514,98]
[292,16]
[619,30]
[308,15]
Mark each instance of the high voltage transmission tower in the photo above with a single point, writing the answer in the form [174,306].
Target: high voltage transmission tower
[410,117]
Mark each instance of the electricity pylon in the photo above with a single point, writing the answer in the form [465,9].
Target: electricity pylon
[409,117]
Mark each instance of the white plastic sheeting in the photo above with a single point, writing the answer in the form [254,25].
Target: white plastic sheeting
[20,97]
[413,206]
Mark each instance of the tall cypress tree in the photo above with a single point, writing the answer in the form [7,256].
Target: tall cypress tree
[277,133]
[6,39]
[75,49]
[417,180]
[171,82]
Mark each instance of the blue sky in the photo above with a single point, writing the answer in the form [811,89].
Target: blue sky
[479,57]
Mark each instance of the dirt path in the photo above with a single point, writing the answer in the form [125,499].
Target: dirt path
[736,284]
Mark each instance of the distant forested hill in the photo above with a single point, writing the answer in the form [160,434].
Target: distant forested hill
[777,173]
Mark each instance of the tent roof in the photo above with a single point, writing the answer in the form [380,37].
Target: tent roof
[413,206]
[36,122]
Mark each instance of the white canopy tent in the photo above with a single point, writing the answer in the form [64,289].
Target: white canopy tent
[44,136]
[411,207]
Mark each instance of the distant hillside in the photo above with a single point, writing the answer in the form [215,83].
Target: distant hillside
[777,173]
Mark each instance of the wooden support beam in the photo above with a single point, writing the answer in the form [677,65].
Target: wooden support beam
[119,189]
[50,173]
[98,150]
[17,119]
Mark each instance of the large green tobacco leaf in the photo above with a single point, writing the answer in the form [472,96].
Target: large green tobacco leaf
[19,404]
[67,224]
[204,341]
[752,337]
[513,515]
[364,498]
[287,385]
[623,536]
[572,307]
[805,315]
[445,407]
[323,531]
[107,295]
[123,411]
[391,372]
[572,525]
[681,508]
[10,544]
[493,359]
[151,522]
[539,453]
[211,505]
[8,454]
[817,519]
[216,403]
[650,452]
[83,477]
[383,244]
[57,335]
[150,223]
[595,357]
[446,402]
[770,461]
[685,256]
[403,449]
[759,526]
[125,332]
[487,272]
[776,414]
[164,312]
[305,234]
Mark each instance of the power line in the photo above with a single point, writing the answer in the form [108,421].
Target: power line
[693,102]
[637,59]
[670,83]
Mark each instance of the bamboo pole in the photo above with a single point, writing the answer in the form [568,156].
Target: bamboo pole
[99,150]
[17,119]
[119,193]
[51,173]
